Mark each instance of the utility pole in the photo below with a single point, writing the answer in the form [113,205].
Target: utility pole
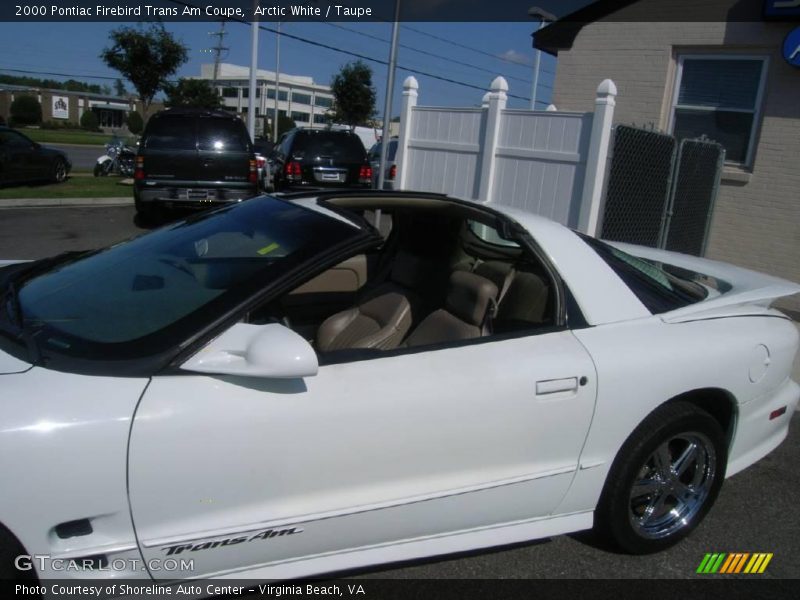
[218,50]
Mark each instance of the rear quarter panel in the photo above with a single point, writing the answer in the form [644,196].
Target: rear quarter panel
[644,363]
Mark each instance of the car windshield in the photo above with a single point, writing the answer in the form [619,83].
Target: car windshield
[375,151]
[338,145]
[150,293]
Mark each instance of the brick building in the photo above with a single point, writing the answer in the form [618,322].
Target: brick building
[725,78]
[61,106]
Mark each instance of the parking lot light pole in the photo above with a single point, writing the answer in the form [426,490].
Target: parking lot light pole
[387,104]
[277,81]
[544,17]
[251,100]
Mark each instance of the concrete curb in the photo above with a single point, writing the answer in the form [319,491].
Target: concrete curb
[63,202]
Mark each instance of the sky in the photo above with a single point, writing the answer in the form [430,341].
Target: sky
[472,53]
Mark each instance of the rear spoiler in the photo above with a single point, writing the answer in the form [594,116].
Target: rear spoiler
[751,292]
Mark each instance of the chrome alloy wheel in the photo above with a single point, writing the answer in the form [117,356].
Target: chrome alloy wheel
[672,485]
[60,173]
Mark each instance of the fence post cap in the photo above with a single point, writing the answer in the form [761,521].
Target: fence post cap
[410,83]
[485,99]
[499,84]
[607,88]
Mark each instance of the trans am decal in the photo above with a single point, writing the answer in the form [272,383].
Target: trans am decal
[231,541]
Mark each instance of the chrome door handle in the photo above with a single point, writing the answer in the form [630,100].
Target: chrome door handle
[554,386]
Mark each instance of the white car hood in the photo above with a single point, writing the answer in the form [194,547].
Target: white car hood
[9,364]
[751,292]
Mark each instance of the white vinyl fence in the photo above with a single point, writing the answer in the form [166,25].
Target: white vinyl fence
[548,162]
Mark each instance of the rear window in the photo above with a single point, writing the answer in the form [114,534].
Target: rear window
[659,289]
[222,135]
[175,133]
[328,144]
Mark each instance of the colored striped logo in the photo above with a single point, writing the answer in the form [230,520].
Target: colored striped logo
[735,562]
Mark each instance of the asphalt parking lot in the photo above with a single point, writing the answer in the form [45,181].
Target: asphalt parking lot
[756,511]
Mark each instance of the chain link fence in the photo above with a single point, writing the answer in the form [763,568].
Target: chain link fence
[694,190]
[661,193]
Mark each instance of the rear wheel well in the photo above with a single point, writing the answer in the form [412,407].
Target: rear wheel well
[10,548]
[719,403]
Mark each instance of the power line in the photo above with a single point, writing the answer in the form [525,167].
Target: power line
[358,55]
[426,53]
[28,72]
[471,49]
[52,74]
[378,61]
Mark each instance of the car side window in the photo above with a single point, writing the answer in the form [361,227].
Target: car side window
[280,148]
[490,235]
[15,140]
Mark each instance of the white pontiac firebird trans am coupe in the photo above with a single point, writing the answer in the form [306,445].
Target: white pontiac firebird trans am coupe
[280,388]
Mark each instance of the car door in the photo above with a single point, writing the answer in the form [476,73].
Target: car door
[16,156]
[236,472]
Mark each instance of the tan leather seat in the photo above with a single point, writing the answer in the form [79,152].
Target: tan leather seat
[464,316]
[526,301]
[526,296]
[382,318]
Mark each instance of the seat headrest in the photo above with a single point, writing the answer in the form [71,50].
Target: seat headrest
[470,296]
[494,270]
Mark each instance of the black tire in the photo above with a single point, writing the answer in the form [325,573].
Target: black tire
[147,213]
[102,169]
[59,174]
[10,549]
[663,481]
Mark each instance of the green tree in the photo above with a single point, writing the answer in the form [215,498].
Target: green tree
[119,88]
[135,123]
[26,110]
[146,56]
[89,121]
[285,123]
[353,95]
[192,92]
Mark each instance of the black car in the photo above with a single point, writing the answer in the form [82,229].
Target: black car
[193,158]
[22,160]
[320,158]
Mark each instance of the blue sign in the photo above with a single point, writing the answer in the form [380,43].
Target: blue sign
[775,9]
[791,47]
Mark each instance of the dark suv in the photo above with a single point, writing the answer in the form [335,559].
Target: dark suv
[320,158]
[193,158]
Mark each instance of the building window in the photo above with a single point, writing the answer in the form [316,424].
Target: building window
[283,95]
[230,92]
[720,97]
[323,101]
[302,117]
[301,98]
[320,119]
